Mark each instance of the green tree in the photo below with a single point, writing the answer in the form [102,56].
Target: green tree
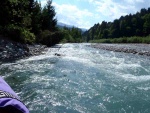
[31,5]
[115,29]
[146,25]
[4,12]
[20,13]
[48,17]
[36,18]
[127,26]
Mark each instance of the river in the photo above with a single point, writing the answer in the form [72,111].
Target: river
[79,79]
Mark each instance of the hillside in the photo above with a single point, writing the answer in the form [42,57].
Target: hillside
[126,26]
[62,25]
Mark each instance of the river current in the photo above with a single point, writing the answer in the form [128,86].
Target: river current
[79,79]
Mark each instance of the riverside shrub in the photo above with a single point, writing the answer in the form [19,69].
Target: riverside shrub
[19,34]
[134,39]
[49,38]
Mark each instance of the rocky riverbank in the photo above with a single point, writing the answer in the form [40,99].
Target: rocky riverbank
[141,49]
[10,50]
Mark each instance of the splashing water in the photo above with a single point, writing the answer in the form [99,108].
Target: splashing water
[80,79]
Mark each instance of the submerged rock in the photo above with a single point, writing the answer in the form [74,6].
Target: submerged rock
[57,54]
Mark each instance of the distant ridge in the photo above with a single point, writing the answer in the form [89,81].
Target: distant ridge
[61,25]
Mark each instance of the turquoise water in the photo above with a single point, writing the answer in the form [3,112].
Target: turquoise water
[81,80]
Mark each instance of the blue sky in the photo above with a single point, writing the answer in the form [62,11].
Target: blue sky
[86,13]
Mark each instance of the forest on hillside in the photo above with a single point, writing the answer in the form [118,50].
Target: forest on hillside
[27,22]
[127,29]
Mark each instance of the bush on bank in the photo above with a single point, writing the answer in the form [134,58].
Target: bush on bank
[134,39]
[19,34]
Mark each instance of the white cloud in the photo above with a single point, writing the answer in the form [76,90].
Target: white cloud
[96,10]
[113,9]
[134,1]
[72,15]
[43,2]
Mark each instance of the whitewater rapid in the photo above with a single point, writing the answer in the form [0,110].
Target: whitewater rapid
[75,78]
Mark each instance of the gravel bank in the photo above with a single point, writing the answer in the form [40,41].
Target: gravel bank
[141,49]
[10,50]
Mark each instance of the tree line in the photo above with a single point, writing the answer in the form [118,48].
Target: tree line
[26,21]
[71,35]
[136,25]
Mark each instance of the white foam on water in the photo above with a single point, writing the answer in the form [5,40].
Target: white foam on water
[39,57]
[133,78]
[144,88]
[79,79]
[54,103]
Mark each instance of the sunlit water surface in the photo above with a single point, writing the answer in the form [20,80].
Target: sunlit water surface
[81,80]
